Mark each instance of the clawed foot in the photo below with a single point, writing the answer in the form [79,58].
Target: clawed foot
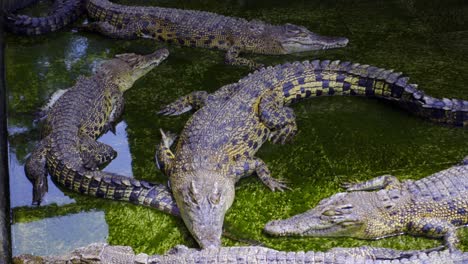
[275,184]
[168,138]
[283,135]
[40,188]
[178,107]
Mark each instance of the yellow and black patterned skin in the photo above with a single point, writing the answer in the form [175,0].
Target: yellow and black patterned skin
[206,30]
[63,13]
[434,206]
[69,151]
[218,144]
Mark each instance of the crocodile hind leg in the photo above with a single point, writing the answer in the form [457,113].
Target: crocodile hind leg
[164,156]
[377,183]
[94,153]
[278,118]
[246,167]
[232,58]
[128,31]
[437,228]
[35,169]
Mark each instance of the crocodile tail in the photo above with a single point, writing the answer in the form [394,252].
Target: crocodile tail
[331,78]
[63,14]
[109,185]
[103,10]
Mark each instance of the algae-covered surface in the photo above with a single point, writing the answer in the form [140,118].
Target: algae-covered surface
[340,139]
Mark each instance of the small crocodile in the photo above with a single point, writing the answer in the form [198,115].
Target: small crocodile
[63,12]
[206,30]
[218,144]
[69,150]
[433,206]
[102,253]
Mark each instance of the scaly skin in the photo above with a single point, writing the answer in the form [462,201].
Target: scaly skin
[218,144]
[205,30]
[69,151]
[102,253]
[434,206]
[62,13]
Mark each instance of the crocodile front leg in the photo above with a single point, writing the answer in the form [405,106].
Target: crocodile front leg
[435,227]
[128,31]
[198,99]
[232,58]
[95,153]
[377,183]
[278,118]
[194,100]
[35,169]
[164,156]
[246,167]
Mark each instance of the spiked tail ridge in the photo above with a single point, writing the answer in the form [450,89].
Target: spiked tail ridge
[109,185]
[103,10]
[63,14]
[331,78]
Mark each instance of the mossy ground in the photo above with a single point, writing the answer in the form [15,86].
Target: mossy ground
[340,139]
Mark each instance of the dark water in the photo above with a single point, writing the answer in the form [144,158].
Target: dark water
[340,139]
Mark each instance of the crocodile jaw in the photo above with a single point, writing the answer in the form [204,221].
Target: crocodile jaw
[203,200]
[313,42]
[333,217]
[293,39]
[127,68]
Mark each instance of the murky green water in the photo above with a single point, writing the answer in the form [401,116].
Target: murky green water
[340,139]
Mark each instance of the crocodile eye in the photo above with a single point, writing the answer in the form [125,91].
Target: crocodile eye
[192,194]
[215,198]
[302,34]
[329,213]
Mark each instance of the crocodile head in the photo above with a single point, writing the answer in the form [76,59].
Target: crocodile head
[126,68]
[203,201]
[293,38]
[355,214]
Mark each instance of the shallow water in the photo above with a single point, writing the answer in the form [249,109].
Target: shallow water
[340,139]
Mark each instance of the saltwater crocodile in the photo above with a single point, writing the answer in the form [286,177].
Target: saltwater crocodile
[63,12]
[218,144]
[69,151]
[183,27]
[433,206]
[205,29]
[102,253]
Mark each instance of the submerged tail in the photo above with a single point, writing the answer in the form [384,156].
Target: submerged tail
[109,185]
[327,78]
[64,13]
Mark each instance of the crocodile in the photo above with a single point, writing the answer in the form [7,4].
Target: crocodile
[69,151]
[184,27]
[207,30]
[218,144]
[63,12]
[103,253]
[433,206]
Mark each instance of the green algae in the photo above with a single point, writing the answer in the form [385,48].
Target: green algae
[339,140]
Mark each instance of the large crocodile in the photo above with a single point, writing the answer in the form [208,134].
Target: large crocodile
[69,151]
[433,206]
[183,27]
[218,144]
[63,12]
[102,253]
[206,30]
